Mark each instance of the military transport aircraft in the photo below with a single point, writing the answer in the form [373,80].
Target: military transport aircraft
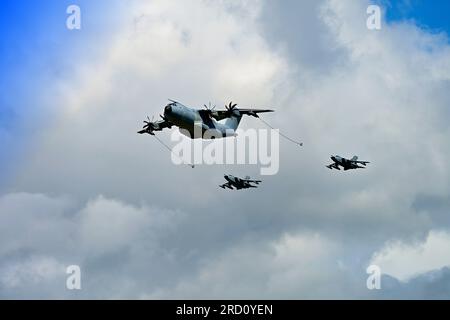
[347,164]
[238,183]
[196,122]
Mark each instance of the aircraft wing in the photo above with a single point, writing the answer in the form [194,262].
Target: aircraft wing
[224,114]
[247,183]
[150,126]
[241,184]
[227,185]
[333,166]
[252,181]
[254,112]
[362,162]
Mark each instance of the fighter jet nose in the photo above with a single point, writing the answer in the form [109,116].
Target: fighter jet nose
[168,109]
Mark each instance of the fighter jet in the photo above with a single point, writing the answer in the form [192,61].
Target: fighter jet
[238,183]
[347,164]
[196,122]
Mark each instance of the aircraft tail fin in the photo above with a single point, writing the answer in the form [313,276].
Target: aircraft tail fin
[355,158]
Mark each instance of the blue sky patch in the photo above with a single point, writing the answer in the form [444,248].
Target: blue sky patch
[431,15]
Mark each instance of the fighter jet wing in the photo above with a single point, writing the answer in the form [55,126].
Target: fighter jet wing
[243,184]
[333,166]
[247,183]
[252,181]
[150,126]
[227,185]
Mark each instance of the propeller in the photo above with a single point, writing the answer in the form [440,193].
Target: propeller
[209,110]
[230,108]
[208,107]
[148,123]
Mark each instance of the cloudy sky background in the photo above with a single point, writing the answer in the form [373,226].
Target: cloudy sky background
[79,186]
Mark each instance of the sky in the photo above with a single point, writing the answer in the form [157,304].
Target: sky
[37,48]
[432,16]
[79,186]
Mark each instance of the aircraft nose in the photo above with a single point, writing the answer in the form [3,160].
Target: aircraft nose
[168,109]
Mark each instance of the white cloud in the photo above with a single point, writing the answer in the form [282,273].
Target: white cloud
[405,261]
[294,266]
[33,220]
[108,225]
[42,235]
[34,271]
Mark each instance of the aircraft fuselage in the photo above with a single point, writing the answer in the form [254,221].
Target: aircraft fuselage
[347,164]
[195,124]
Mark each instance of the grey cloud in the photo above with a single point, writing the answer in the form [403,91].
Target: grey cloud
[433,285]
[107,238]
[297,28]
[437,207]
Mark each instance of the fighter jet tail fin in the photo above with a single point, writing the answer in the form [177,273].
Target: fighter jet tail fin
[355,158]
